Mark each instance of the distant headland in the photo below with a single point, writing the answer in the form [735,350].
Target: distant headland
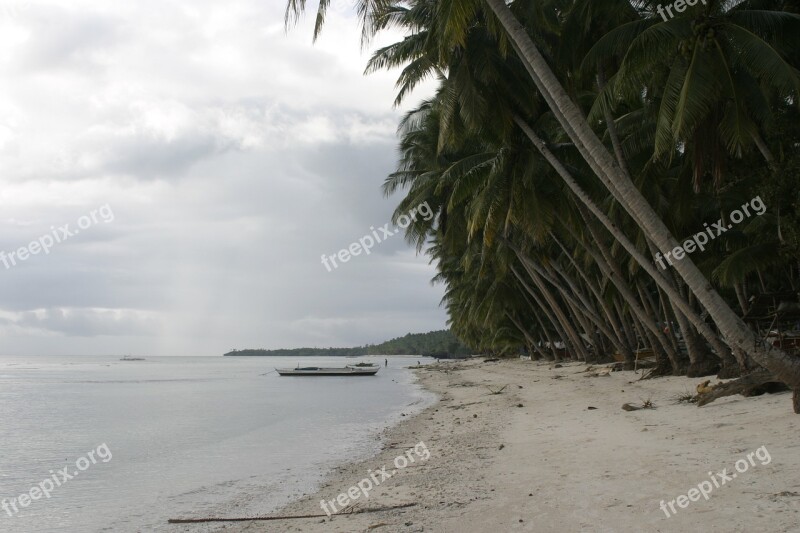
[442,344]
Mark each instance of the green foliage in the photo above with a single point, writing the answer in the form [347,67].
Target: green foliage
[442,344]
[700,110]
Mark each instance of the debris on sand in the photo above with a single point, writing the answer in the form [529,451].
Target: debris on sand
[705,387]
[592,372]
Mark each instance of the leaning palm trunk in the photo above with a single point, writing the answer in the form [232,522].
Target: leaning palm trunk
[548,313]
[626,324]
[733,329]
[538,319]
[700,362]
[603,329]
[582,309]
[623,341]
[647,317]
[532,345]
[603,261]
[741,296]
[620,237]
[666,340]
[554,313]
[668,319]
[663,364]
[592,346]
[684,306]
[569,328]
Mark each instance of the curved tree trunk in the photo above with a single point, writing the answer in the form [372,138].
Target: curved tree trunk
[575,339]
[585,324]
[623,343]
[700,361]
[647,318]
[626,324]
[678,367]
[532,346]
[621,238]
[669,317]
[534,309]
[547,312]
[568,296]
[784,366]
[624,290]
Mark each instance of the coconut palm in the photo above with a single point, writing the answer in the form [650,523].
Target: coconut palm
[453,25]
[714,93]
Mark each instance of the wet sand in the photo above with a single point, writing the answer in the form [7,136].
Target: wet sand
[536,458]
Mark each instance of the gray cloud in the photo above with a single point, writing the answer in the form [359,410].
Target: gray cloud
[233,155]
[89,322]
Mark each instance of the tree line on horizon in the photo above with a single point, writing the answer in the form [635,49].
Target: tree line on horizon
[442,344]
[569,142]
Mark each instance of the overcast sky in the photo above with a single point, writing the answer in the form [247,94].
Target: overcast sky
[230,156]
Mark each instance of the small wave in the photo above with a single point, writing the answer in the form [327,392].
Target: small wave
[179,380]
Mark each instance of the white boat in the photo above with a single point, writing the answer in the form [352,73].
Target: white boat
[321,371]
[129,358]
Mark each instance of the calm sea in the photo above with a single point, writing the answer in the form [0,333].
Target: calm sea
[188,436]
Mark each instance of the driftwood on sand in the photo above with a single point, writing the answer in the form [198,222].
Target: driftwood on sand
[749,385]
[294,517]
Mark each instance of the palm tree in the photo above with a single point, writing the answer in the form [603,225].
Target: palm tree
[735,331]
[474,65]
[714,95]
[456,17]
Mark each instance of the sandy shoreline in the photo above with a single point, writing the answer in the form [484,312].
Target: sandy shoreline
[535,458]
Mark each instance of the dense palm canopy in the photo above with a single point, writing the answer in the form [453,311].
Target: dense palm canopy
[570,142]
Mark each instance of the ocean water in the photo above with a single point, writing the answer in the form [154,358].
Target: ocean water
[175,437]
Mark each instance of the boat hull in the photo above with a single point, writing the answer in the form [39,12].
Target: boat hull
[327,371]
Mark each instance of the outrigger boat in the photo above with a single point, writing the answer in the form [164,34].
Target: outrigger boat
[320,371]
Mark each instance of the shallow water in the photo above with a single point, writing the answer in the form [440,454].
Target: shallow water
[188,436]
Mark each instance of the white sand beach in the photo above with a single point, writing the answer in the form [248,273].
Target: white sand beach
[536,458]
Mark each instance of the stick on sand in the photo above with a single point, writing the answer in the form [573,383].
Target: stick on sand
[263,518]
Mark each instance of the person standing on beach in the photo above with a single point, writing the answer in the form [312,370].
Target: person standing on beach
[386,362]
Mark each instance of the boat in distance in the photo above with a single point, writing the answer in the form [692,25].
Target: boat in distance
[321,371]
